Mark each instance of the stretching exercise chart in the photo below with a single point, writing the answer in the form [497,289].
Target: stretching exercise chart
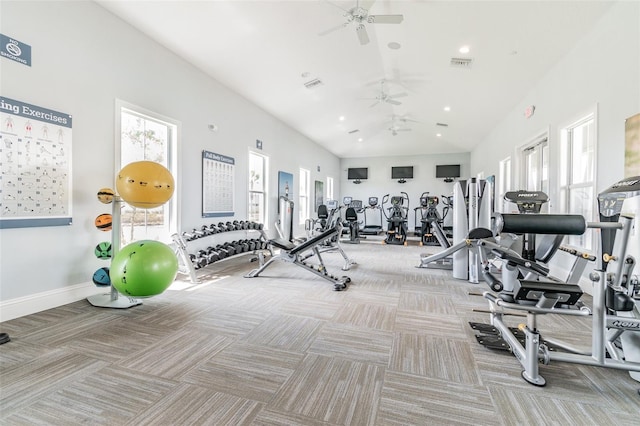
[35,159]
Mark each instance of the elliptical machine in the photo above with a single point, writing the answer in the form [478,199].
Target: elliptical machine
[430,231]
[396,216]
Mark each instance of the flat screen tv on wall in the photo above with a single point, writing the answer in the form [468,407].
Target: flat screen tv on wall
[448,171]
[357,173]
[403,172]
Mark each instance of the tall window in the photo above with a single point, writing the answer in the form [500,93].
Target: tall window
[147,136]
[504,184]
[536,166]
[305,177]
[329,188]
[258,168]
[577,174]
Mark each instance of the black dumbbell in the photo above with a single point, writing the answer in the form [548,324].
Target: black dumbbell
[213,229]
[222,227]
[252,244]
[212,255]
[231,249]
[222,252]
[230,226]
[238,246]
[198,262]
[188,236]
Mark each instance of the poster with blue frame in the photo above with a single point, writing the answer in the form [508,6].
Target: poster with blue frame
[35,158]
[218,173]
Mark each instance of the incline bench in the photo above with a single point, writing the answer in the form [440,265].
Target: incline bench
[293,253]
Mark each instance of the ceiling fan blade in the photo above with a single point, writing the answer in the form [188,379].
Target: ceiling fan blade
[374,104]
[365,4]
[392,102]
[403,130]
[398,95]
[385,19]
[330,30]
[362,34]
[338,6]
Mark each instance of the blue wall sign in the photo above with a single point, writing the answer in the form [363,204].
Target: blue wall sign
[15,50]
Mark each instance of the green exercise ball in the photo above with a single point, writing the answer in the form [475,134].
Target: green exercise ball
[143,268]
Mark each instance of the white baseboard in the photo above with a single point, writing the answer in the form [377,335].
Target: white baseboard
[27,305]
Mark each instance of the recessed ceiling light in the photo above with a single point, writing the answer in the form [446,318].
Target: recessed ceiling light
[394,45]
[447,108]
[438,134]
[341,118]
[360,139]
[464,49]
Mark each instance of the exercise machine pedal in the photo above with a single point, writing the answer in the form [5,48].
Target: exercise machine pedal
[484,328]
[493,342]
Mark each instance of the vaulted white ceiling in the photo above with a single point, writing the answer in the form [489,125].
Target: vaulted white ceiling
[267,50]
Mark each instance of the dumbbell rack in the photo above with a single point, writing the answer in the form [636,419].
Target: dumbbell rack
[187,242]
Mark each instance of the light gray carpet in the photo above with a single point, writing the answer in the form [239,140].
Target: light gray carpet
[285,349]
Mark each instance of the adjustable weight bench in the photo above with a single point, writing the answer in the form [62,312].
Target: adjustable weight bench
[295,254]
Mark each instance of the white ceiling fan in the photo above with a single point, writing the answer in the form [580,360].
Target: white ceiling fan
[399,123]
[394,129]
[385,97]
[359,14]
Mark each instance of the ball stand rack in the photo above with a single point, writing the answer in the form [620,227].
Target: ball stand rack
[114,299]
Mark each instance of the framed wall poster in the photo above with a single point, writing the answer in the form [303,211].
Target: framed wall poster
[35,157]
[632,146]
[318,195]
[218,173]
[285,185]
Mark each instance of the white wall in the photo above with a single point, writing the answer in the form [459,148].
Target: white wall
[83,59]
[380,183]
[603,71]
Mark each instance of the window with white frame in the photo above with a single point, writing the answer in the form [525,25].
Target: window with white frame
[504,183]
[577,174]
[303,198]
[535,159]
[329,188]
[258,171]
[147,136]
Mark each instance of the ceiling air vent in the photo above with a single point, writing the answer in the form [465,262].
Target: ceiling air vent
[313,83]
[461,62]
[354,131]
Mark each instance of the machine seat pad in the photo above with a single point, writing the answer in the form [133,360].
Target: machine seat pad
[479,233]
[526,290]
[282,244]
[562,224]
[312,242]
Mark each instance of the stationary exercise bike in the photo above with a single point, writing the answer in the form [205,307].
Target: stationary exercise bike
[396,216]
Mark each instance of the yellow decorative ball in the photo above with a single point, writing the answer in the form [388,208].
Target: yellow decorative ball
[145,184]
